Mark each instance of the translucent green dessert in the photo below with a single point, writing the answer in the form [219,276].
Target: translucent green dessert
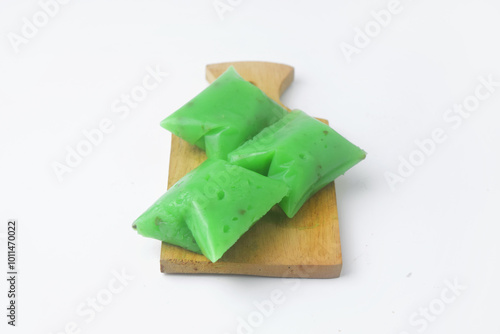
[224,115]
[300,151]
[164,220]
[211,207]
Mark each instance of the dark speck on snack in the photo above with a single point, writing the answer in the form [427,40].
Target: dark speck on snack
[242,211]
[325,132]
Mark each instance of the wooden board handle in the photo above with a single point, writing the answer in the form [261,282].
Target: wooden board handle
[272,78]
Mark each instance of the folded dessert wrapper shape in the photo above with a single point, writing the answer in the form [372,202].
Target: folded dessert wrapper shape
[301,151]
[211,207]
[224,115]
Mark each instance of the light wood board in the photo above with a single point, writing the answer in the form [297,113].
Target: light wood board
[307,245]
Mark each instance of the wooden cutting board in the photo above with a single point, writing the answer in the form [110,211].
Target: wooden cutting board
[307,245]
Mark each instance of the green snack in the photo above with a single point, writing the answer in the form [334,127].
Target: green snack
[225,115]
[301,151]
[211,207]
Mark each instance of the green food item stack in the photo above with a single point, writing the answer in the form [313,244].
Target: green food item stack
[259,155]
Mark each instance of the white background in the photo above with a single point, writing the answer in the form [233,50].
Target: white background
[400,246]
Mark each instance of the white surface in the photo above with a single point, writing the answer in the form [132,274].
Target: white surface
[399,247]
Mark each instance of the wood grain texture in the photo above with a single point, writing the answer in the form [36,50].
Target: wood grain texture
[307,245]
